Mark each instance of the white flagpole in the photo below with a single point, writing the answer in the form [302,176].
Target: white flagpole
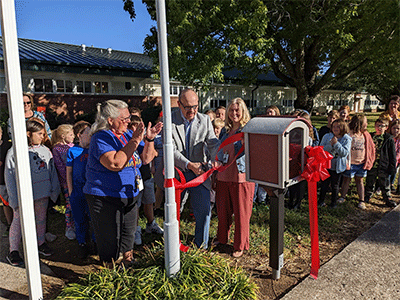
[20,147]
[171,225]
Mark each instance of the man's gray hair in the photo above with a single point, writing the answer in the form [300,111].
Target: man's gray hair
[107,109]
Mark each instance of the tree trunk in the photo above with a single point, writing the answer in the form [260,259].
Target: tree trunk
[304,100]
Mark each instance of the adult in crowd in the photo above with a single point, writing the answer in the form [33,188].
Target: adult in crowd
[393,112]
[30,112]
[192,132]
[234,195]
[114,180]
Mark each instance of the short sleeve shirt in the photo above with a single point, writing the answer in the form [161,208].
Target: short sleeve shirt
[77,159]
[102,182]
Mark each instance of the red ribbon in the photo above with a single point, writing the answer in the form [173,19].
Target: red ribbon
[180,186]
[318,161]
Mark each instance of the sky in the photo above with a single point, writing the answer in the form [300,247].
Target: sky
[97,23]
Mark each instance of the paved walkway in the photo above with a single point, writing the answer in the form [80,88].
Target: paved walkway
[368,268]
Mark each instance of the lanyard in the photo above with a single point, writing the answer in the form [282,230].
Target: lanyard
[124,144]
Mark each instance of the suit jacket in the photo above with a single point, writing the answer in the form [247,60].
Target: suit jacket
[202,137]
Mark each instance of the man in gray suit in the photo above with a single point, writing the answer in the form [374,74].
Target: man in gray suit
[192,133]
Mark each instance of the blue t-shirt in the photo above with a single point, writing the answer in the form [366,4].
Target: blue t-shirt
[102,182]
[77,158]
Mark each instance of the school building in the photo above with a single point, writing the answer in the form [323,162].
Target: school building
[70,79]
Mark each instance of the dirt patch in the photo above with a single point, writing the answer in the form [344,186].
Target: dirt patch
[67,266]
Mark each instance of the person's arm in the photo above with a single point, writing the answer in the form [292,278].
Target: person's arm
[116,160]
[343,149]
[149,151]
[69,179]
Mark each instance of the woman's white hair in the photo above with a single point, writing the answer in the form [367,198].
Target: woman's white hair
[107,109]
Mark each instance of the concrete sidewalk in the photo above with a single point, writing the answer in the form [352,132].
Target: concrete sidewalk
[368,268]
[13,280]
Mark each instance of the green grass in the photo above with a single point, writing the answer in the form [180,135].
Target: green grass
[203,275]
[319,121]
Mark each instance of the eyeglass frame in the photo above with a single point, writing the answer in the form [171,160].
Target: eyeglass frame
[187,108]
[126,120]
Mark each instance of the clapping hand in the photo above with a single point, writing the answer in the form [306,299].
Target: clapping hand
[333,140]
[138,133]
[152,132]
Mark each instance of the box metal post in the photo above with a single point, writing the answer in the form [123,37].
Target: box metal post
[277,213]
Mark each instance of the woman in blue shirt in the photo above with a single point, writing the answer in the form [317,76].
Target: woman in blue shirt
[113,179]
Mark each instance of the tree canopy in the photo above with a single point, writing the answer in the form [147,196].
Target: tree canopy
[311,45]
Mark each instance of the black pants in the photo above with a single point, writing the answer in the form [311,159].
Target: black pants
[114,223]
[379,178]
[334,181]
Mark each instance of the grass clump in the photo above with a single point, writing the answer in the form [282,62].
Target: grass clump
[203,275]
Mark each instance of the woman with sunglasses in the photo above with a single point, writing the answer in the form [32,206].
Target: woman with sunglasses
[30,112]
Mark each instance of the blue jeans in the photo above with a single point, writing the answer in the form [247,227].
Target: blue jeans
[200,201]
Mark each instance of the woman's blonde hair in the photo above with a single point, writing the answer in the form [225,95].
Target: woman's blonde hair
[245,113]
[57,135]
[107,109]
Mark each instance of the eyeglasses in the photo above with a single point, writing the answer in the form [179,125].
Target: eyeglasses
[27,103]
[194,107]
[126,120]
[381,126]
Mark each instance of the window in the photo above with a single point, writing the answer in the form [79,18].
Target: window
[64,86]
[174,90]
[287,103]
[101,87]
[217,102]
[83,86]
[43,85]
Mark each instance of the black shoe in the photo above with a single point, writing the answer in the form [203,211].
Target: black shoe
[45,250]
[391,203]
[366,199]
[14,259]
[83,251]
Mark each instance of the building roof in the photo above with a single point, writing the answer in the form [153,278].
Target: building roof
[74,57]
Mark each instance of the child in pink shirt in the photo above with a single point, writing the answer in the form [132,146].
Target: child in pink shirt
[62,139]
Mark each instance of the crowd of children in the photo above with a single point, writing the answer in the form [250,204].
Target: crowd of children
[59,166]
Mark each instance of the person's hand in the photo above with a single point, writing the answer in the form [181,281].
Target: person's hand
[216,164]
[333,140]
[138,134]
[152,132]
[196,168]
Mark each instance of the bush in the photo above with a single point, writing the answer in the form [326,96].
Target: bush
[203,275]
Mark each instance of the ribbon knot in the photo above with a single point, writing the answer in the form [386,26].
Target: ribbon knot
[318,161]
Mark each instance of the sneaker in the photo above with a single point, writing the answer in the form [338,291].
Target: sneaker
[45,250]
[138,236]
[70,233]
[14,259]
[341,200]
[154,228]
[50,237]
[361,205]
[83,251]
[391,203]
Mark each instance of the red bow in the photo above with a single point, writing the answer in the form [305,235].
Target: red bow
[318,161]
